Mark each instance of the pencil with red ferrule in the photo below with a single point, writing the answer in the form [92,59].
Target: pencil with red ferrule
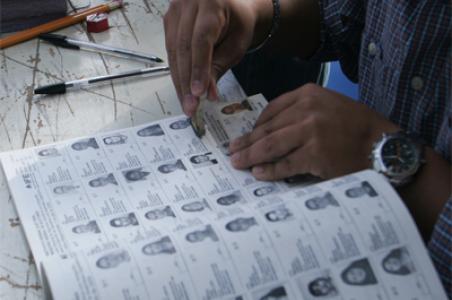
[78,17]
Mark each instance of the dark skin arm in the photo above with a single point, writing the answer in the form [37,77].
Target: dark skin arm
[298,33]
[427,194]
[204,38]
[329,136]
[318,131]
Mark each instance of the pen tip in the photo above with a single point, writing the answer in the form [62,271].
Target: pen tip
[159,60]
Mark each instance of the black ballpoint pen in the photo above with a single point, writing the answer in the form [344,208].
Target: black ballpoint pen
[62,87]
[64,41]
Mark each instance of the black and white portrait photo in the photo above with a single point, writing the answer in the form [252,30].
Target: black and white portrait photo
[236,107]
[113,259]
[359,272]
[161,246]
[322,287]
[85,144]
[364,189]
[180,124]
[230,199]
[203,160]
[90,227]
[200,235]
[135,175]
[195,206]
[167,168]
[65,189]
[321,202]
[278,214]
[117,139]
[398,262]
[124,221]
[151,130]
[49,152]
[240,224]
[103,181]
[160,213]
[264,190]
[301,179]
[274,293]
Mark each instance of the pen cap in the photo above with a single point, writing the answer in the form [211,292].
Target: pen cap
[57,88]
[57,40]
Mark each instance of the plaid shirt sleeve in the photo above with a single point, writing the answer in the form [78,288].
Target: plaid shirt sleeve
[399,51]
[400,54]
[340,34]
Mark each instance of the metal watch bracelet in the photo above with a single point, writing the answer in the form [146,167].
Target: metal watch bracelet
[274,26]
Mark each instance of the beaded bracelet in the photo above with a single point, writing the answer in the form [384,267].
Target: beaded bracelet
[275,24]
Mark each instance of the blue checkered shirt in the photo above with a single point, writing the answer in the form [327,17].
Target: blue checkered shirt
[399,53]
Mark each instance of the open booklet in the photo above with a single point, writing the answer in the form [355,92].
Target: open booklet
[153,212]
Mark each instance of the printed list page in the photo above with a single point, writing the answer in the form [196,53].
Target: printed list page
[349,238]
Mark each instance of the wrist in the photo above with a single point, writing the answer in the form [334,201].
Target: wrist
[378,126]
[428,192]
[398,156]
[263,21]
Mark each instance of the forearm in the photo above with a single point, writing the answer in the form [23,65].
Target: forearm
[299,27]
[427,194]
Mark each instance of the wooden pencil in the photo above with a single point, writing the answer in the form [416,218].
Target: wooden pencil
[28,34]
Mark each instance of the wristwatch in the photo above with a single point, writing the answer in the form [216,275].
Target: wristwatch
[398,156]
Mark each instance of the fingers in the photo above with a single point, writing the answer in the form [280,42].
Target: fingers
[290,165]
[204,39]
[286,116]
[275,107]
[269,148]
[228,53]
[291,108]
[302,94]
[206,32]
[191,31]
[257,134]
[204,73]
[212,92]
[184,56]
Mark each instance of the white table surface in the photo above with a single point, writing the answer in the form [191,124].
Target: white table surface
[25,122]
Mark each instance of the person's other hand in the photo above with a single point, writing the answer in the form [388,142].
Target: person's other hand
[310,130]
[204,38]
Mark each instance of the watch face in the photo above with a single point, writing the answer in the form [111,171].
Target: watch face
[400,155]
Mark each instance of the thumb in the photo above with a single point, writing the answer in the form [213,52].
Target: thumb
[212,91]
[226,55]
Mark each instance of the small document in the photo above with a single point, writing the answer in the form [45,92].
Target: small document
[154,212]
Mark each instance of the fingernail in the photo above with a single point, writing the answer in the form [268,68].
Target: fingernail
[197,88]
[257,170]
[235,158]
[187,104]
[213,93]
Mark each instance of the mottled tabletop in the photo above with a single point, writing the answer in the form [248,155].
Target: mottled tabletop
[27,120]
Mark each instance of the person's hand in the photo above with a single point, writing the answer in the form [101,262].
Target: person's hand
[310,130]
[204,38]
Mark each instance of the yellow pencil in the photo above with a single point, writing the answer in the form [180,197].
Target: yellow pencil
[28,34]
